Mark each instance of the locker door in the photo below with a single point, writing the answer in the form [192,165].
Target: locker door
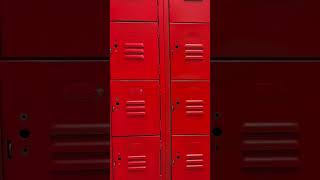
[189,10]
[133,10]
[135,108]
[136,158]
[191,107]
[54,28]
[55,125]
[135,53]
[268,121]
[191,157]
[190,51]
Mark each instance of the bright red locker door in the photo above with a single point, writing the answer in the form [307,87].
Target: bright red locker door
[135,108]
[136,158]
[134,50]
[190,51]
[190,157]
[191,107]
[54,28]
[134,10]
[56,120]
[189,10]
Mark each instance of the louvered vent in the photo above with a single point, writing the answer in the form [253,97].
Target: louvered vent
[134,51]
[194,107]
[270,145]
[137,163]
[194,161]
[80,148]
[136,108]
[194,52]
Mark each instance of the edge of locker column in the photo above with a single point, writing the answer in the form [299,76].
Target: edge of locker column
[165,88]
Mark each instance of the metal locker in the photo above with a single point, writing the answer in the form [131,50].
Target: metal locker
[189,10]
[134,50]
[190,157]
[133,10]
[55,120]
[190,51]
[54,28]
[136,158]
[135,108]
[191,107]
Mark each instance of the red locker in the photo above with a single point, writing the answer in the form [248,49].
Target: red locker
[268,125]
[134,50]
[191,107]
[135,108]
[189,10]
[55,121]
[247,28]
[190,51]
[136,158]
[54,28]
[134,10]
[190,157]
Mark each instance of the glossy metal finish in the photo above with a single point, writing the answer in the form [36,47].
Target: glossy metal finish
[134,50]
[190,107]
[191,157]
[136,158]
[135,108]
[190,10]
[134,10]
[190,51]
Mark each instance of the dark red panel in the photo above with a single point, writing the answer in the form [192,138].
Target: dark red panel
[56,119]
[267,122]
[136,158]
[55,28]
[134,51]
[191,107]
[191,157]
[189,10]
[133,10]
[190,51]
[248,28]
[135,108]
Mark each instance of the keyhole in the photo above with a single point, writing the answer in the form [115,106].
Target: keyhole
[116,46]
[117,103]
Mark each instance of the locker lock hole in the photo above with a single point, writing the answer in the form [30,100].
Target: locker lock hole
[25,151]
[116,45]
[23,116]
[217,132]
[117,103]
[24,133]
[177,46]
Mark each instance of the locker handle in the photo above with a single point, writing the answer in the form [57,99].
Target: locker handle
[10,149]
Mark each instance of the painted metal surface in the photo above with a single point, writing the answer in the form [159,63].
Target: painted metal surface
[134,50]
[55,120]
[190,51]
[262,29]
[135,108]
[189,10]
[54,28]
[191,157]
[268,125]
[136,158]
[134,10]
[190,107]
